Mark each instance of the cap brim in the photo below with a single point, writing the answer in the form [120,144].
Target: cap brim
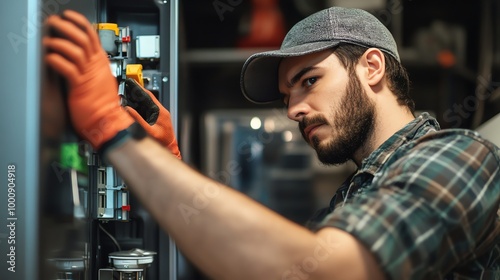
[259,76]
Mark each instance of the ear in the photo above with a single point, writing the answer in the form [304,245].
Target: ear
[374,61]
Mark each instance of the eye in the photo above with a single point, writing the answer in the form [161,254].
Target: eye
[310,81]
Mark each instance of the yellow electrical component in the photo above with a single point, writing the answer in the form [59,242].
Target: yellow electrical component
[109,26]
[134,71]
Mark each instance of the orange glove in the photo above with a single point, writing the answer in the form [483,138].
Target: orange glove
[93,99]
[143,106]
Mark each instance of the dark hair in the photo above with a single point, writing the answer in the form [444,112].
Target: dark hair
[399,82]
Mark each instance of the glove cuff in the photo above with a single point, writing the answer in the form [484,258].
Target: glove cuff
[134,131]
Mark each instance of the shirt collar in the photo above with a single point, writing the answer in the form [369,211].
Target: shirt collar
[421,125]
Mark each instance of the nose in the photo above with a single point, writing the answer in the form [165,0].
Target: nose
[297,109]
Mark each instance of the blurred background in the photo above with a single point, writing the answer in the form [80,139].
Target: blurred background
[451,50]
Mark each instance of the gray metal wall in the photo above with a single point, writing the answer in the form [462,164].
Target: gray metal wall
[19,126]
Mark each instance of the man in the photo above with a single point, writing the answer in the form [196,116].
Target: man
[422,205]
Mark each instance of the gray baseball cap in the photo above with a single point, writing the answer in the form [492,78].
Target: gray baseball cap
[320,31]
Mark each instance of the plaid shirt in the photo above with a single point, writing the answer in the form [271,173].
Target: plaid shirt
[426,204]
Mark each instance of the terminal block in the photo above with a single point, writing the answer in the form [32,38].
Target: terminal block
[112,196]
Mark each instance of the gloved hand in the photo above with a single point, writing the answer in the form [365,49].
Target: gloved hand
[143,106]
[93,100]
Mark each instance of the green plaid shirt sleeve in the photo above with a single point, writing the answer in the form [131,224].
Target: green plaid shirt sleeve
[429,209]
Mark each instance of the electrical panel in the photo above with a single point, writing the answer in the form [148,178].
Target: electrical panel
[80,220]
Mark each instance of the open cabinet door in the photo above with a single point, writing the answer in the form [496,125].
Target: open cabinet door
[49,195]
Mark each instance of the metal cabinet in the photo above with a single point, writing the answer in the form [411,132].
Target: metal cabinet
[68,208]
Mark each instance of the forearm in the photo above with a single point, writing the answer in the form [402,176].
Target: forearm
[222,231]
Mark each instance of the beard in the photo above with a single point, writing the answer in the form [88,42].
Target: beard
[352,122]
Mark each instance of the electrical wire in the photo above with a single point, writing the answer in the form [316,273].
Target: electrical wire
[111,237]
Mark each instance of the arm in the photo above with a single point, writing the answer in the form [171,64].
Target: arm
[228,235]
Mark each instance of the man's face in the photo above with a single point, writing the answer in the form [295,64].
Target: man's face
[334,113]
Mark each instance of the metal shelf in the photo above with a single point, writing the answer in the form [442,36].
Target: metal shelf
[219,55]
[408,56]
